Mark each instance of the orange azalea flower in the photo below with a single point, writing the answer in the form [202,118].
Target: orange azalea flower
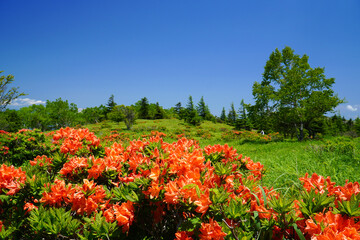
[211,230]
[59,194]
[154,190]
[87,198]
[203,203]
[41,160]
[345,193]
[319,183]
[183,235]
[255,168]
[73,139]
[332,226]
[171,193]
[73,166]
[155,173]
[29,206]
[11,179]
[123,214]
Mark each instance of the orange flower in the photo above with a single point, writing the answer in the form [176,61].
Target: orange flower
[319,183]
[332,226]
[211,230]
[123,214]
[11,179]
[74,165]
[29,206]
[41,160]
[183,235]
[171,193]
[59,194]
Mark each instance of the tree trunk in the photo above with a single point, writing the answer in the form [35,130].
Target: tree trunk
[301,135]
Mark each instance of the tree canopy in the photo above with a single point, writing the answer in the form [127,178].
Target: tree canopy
[6,96]
[292,93]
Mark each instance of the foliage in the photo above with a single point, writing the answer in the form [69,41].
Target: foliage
[130,116]
[191,115]
[223,115]
[111,104]
[153,189]
[203,110]
[22,146]
[61,113]
[143,112]
[232,115]
[94,114]
[292,92]
[6,96]
[10,120]
[117,114]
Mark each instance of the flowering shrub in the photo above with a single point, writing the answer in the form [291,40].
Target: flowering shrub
[22,146]
[250,136]
[152,189]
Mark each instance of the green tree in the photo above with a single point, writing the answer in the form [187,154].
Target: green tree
[223,115]
[6,96]
[144,109]
[203,110]
[179,110]
[61,113]
[94,114]
[294,91]
[232,115]
[243,122]
[34,116]
[191,115]
[130,116]
[357,126]
[10,121]
[117,114]
[159,112]
[111,103]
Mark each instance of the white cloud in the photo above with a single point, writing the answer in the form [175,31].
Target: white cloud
[25,102]
[351,108]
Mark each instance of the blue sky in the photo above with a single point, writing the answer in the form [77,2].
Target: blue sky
[84,51]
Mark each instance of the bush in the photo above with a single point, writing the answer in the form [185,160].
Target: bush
[152,189]
[22,146]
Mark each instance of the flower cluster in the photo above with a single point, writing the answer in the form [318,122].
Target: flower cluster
[75,139]
[152,188]
[11,179]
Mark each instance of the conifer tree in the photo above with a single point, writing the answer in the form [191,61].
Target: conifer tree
[232,115]
[223,115]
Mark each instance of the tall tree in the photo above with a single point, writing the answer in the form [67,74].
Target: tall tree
[232,115]
[243,122]
[6,96]
[203,110]
[179,110]
[159,112]
[144,108]
[111,103]
[61,113]
[191,115]
[130,116]
[357,126]
[293,92]
[223,115]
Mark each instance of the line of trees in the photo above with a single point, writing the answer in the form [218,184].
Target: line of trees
[292,98]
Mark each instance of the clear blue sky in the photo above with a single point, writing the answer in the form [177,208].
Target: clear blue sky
[84,51]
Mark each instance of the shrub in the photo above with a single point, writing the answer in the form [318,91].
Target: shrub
[152,189]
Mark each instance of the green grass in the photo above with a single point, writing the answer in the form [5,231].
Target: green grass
[284,161]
